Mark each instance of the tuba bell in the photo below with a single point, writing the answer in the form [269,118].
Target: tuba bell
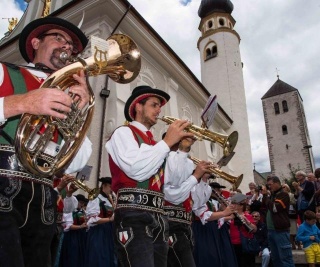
[227,143]
[120,60]
[235,181]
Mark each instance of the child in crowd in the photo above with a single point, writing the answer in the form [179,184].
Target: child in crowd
[309,235]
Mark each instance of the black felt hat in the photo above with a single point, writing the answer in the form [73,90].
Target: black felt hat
[216,185]
[39,26]
[105,180]
[139,93]
[81,197]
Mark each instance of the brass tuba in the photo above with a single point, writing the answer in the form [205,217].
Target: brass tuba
[235,181]
[227,143]
[120,60]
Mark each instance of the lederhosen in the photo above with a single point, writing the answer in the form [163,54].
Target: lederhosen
[141,227]
[180,234]
[27,204]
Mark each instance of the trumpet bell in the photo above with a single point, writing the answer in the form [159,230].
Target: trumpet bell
[235,181]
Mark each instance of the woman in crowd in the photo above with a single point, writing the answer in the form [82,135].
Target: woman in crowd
[100,245]
[74,241]
[236,226]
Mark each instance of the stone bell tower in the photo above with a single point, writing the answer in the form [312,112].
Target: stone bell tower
[288,137]
[221,74]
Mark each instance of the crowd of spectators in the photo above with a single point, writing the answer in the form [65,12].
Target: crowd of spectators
[303,210]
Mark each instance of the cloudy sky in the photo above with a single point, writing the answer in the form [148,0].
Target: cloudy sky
[274,34]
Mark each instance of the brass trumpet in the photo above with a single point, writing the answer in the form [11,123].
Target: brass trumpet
[227,142]
[235,181]
[92,193]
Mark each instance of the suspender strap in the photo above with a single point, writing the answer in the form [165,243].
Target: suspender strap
[8,131]
[144,184]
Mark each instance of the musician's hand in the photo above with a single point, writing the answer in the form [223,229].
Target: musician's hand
[80,89]
[202,168]
[43,101]
[176,132]
[228,210]
[71,189]
[205,177]
[65,180]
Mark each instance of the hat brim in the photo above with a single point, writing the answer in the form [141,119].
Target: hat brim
[140,95]
[39,26]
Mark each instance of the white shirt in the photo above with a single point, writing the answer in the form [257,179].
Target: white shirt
[200,195]
[178,176]
[138,163]
[69,204]
[93,209]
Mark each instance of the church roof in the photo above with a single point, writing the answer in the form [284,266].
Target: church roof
[209,6]
[278,88]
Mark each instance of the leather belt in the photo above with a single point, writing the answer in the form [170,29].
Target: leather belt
[178,214]
[141,199]
[11,168]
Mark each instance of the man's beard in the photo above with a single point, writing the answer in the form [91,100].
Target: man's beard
[55,59]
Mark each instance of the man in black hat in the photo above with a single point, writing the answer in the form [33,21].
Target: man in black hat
[136,164]
[27,203]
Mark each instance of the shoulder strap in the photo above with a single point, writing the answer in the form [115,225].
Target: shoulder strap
[19,86]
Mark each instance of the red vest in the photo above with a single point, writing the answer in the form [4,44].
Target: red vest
[120,179]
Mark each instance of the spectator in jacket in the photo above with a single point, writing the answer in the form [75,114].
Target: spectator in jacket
[262,237]
[309,235]
[304,191]
[278,223]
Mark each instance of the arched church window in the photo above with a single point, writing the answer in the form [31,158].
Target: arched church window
[285,106]
[276,108]
[210,24]
[211,50]
[284,129]
[214,51]
[208,53]
[221,22]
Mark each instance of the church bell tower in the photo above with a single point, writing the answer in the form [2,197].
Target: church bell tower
[221,74]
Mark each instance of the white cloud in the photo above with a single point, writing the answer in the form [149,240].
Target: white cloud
[8,9]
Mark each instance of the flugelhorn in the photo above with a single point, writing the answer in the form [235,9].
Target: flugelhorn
[119,59]
[235,181]
[227,142]
[224,202]
[92,192]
